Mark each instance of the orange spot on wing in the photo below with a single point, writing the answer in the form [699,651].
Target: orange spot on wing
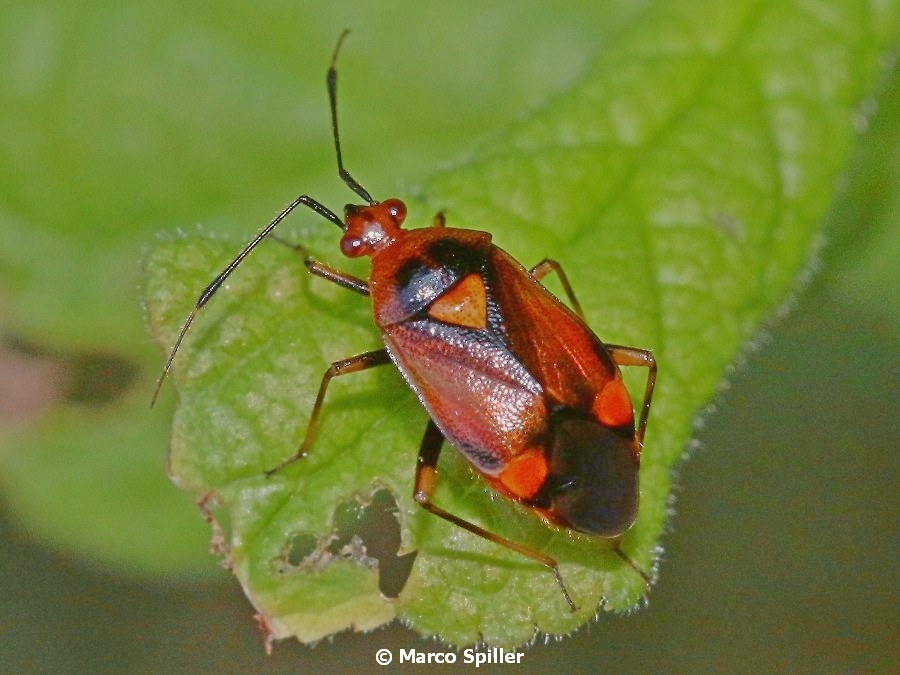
[612,406]
[463,305]
[525,473]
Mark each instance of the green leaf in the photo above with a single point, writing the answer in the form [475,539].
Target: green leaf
[681,182]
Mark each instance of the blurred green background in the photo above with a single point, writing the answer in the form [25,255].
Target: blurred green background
[120,121]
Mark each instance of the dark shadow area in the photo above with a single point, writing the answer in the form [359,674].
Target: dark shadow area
[85,377]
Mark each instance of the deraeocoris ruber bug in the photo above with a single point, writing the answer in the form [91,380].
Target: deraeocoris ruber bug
[508,374]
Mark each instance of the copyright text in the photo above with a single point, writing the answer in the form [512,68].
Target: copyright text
[493,655]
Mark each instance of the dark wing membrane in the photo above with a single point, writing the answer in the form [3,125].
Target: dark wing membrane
[593,481]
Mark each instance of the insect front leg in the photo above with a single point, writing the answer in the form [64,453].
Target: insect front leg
[634,356]
[336,276]
[325,270]
[548,265]
[354,364]
[426,480]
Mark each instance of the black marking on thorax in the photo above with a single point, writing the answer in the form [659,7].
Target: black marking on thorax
[425,277]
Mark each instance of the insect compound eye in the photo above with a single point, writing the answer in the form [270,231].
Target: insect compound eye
[353,246]
[396,210]
[594,475]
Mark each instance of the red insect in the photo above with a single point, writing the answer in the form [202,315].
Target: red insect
[508,374]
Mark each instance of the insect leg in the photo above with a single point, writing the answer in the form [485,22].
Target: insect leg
[439,220]
[216,283]
[354,364]
[325,270]
[335,276]
[426,479]
[624,556]
[548,265]
[634,356]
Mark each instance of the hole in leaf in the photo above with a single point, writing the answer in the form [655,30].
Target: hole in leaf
[367,534]
[302,546]
[376,526]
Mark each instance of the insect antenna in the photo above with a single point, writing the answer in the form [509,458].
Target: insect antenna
[322,210]
[332,98]
[216,283]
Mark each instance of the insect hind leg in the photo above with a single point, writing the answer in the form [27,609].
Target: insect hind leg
[426,481]
[635,356]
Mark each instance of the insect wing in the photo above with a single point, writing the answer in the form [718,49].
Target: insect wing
[556,346]
[482,398]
